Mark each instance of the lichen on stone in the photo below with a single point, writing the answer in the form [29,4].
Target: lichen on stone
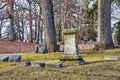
[70,31]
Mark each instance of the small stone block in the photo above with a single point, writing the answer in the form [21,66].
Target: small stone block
[27,63]
[4,58]
[118,58]
[15,58]
[38,64]
[110,58]
[54,65]
[61,49]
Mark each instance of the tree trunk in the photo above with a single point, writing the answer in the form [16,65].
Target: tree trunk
[18,29]
[36,24]
[30,21]
[22,29]
[0,28]
[22,22]
[12,32]
[35,33]
[104,24]
[49,25]
[37,38]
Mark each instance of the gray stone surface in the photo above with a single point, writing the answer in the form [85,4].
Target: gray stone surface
[54,65]
[15,58]
[112,58]
[4,58]
[26,63]
[61,49]
[71,47]
[70,44]
[38,64]
[118,57]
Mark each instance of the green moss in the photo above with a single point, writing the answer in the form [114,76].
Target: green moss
[70,31]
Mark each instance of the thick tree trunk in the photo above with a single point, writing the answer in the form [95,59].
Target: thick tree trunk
[108,31]
[104,24]
[100,38]
[49,25]
[51,34]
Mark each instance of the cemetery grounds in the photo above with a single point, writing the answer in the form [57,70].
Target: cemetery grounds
[96,68]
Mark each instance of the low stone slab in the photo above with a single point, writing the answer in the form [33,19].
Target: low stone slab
[15,58]
[27,63]
[38,64]
[112,58]
[54,65]
[118,57]
[4,58]
[71,58]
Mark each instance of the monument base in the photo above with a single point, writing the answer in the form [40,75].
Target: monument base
[68,60]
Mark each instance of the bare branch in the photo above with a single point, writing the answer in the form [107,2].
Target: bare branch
[4,5]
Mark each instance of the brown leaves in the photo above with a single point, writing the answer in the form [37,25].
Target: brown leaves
[15,47]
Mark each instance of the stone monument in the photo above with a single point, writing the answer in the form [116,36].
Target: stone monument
[71,54]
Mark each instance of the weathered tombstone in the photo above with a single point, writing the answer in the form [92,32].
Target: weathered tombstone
[38,64]
[26,63]
[112,58]
[15,58]
[54,65]
[71,54]
[4,58]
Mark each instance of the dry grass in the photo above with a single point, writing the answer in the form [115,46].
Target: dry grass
[41,57]
[95,69]
[92,71]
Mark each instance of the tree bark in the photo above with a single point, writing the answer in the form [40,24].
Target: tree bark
[12,32]
[104,25]
[49,25]
[30,21]
[37,36]
[22,29]
[0,28]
